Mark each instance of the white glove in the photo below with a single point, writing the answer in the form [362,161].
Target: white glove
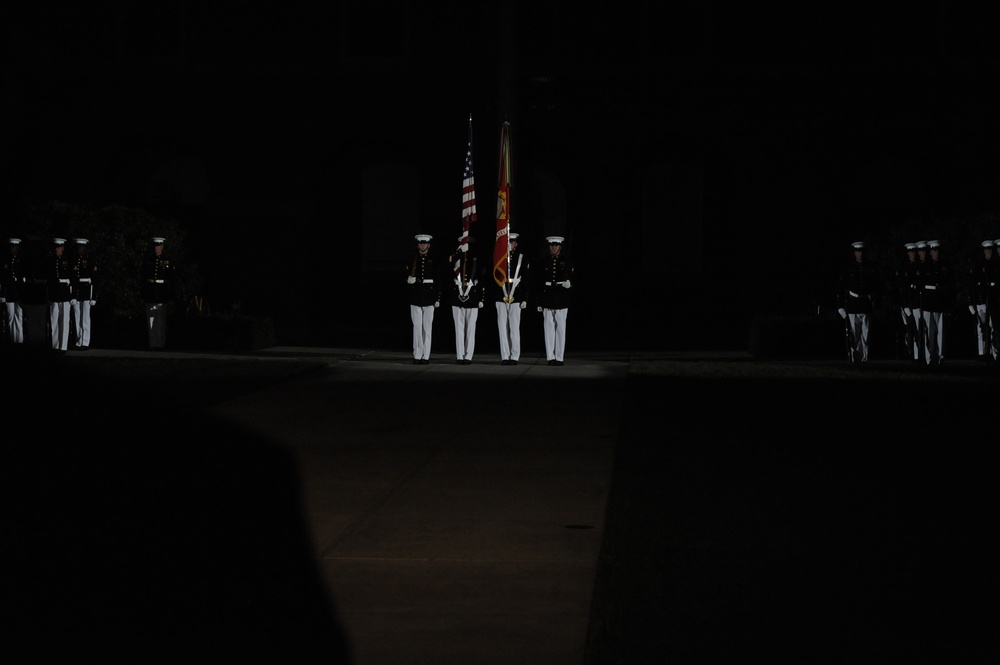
[842,312]
[437,304]
[480,305]
[72,301]
[464,247]
[907,311]
[523,304]
[93,302]
[566,284]
[972,310]
[515,281]
[411,280]
[539,309]
[2,300]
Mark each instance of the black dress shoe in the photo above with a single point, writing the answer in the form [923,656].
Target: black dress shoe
[552,363]
[425,361]
[505,362]
[417,361]
[559,363]
[512,362]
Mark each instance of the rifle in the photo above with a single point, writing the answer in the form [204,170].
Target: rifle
[849,339]
[984,328]
[912,334]
[922,346]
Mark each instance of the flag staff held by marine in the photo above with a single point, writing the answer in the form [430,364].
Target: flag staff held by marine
[501,251]
[468,194]
[467,293]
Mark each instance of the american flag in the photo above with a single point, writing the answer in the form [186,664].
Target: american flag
[468,190]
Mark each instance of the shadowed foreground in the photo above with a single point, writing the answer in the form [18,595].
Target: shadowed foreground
[833,518]
[139,530]
[786,512]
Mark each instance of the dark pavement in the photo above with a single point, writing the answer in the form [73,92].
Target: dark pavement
[375,511]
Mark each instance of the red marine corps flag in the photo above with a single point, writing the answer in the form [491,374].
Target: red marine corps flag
[501,251]
[468,190]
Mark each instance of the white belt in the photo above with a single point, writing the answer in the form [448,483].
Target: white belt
[84,279]
[64,281]
[930,287]
[853,294]
[427,281]
[550,283]
[156,281]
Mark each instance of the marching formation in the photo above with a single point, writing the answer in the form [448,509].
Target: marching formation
[48,295]
[924,290]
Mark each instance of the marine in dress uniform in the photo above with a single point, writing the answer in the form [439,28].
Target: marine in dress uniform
[855,300]
[916,298]
[83,273]
[510,298]
[936,299]
[466,298]
[156,285]
[554,296]
[11,280]
[983,292]
[34,292]
[424,286]
[903,294]
[59,295]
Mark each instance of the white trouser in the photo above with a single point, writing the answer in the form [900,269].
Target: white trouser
[80,315]
[554,325]
[59,324]
[423,325]
[15,322]
[465,331]
[156,322]
[859,327]
[509,325]
[985,344]
[934,340]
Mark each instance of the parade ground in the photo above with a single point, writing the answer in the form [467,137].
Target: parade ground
[346,505]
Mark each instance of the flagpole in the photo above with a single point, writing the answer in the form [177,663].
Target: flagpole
[509,209]
[501,251]
[468,191]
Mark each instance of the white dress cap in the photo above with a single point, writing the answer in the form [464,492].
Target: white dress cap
[555,240]
[80,241]
[988,243]
[512,236]
[14,241]
[858,245]
[423,237]
[59,241]
[933,244]
[911,246]
[157,240]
